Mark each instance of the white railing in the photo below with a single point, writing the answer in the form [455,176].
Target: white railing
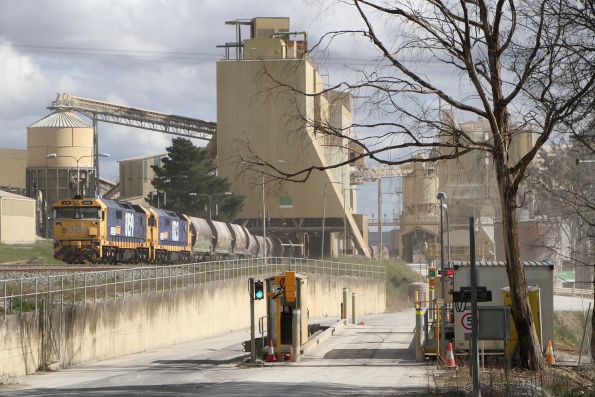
[27,293]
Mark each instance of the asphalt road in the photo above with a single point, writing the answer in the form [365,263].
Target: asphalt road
[358,360]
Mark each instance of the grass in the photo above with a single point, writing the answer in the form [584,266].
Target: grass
[41,252]
[568,330]
[398,278]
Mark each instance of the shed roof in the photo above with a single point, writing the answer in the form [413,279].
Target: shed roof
[5,194]
[60,119]
[548,264]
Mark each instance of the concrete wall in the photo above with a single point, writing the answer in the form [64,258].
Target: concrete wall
[92,332]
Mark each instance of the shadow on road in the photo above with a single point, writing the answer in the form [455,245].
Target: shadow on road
[226,389]
[378,354]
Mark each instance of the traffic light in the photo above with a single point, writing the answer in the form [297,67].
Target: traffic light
[258,290]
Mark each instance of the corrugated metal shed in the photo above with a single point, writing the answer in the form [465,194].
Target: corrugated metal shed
[60,119]
[502,263]
[14,196]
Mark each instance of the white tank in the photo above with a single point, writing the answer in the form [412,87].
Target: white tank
[62,133]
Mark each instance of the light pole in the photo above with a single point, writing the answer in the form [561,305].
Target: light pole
[445,206]
[442,196]
[345,222]
[324,217]
[77,159]
[210,196]
[264,223]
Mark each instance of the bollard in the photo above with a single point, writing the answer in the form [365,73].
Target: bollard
[345,292]
[342,311]
[419,318]
[295,335]
[353,308]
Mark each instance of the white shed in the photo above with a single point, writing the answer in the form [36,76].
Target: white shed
[17,219]
[492,274]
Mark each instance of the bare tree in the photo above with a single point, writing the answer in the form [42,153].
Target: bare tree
[523,65]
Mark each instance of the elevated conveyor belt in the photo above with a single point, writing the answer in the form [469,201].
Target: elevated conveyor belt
[135,117]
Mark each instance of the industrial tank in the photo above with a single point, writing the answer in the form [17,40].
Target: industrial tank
[51,179]
[420,188]
[62,133]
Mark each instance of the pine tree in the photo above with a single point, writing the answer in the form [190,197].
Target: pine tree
[189,180]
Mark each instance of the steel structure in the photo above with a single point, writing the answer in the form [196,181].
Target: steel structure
[367,175]
[132,117]
[135,117]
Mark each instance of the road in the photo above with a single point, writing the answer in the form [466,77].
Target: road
[357,360]
[571,303]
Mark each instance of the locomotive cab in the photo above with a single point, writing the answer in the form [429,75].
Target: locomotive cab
[77,227]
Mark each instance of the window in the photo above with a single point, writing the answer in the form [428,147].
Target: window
[77,213]
[89,213]
[65,213]
[118,214]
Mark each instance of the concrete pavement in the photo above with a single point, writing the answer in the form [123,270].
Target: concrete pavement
[357,360]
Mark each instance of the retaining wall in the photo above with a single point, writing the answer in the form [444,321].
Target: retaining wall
[95,331]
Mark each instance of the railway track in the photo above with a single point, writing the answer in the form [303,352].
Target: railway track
[49,269]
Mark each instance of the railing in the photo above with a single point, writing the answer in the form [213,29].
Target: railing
[27,293]
[579,292]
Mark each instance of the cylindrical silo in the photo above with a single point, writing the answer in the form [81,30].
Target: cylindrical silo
[419,190]
[70,139]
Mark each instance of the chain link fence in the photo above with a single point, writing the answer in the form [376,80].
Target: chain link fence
[26,294]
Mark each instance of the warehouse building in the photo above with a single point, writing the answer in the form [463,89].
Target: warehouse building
[17,219]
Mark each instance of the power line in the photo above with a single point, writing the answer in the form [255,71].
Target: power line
[188,55]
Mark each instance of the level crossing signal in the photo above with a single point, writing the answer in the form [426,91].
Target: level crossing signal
[258,290]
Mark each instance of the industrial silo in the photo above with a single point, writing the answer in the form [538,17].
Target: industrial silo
[59,161]
[418,222]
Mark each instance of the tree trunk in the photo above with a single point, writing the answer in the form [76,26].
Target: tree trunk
[529,346]
[592,315]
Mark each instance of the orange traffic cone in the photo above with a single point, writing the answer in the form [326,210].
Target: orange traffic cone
[270,353]
[549,354]
[450,357]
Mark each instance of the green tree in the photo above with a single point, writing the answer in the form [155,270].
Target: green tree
[189,180]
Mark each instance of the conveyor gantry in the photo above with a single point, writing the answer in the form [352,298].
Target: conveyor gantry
[135,117]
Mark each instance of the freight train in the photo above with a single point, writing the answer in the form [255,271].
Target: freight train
[97,230]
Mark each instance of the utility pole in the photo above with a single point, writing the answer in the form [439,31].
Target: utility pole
[252,326]
[476,391]
[380,216]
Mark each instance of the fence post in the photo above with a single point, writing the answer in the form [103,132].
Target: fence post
[21,300]
[36,279]
[5,293]
[353,308]
[344,314]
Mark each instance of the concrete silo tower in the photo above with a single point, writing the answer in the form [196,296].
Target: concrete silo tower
[68,141]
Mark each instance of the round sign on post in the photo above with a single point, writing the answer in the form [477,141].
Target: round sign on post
[466,322]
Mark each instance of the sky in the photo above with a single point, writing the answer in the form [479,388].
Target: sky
[152,54]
